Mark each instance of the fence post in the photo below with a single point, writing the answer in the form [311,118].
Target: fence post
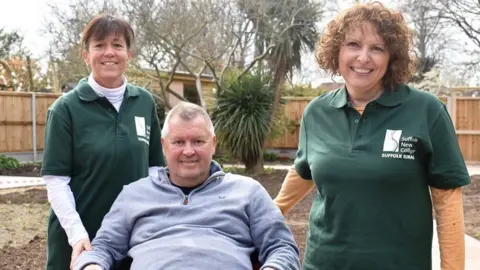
[34,126]
[449,104]
[453,107]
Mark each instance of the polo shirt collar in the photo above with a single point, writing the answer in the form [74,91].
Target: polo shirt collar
[86,93]
[387,99]
[340,98]
[393,97]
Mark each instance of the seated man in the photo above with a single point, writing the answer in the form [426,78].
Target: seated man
[193,215]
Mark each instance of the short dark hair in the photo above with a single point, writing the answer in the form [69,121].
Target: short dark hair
[391,26]
[105,24]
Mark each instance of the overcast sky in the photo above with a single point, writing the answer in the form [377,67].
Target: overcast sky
[28,16]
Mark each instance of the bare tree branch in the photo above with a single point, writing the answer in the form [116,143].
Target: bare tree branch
[166,88]
[230,55]
[465,14]
[217,82]
[255,60]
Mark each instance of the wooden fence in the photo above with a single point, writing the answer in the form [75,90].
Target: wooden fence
[465,113]
[22,122]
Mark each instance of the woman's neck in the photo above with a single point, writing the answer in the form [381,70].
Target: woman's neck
[362,98]
[114,95]
[104,91]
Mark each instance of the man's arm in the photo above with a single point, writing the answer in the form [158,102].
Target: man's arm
[110,244]
[270,233]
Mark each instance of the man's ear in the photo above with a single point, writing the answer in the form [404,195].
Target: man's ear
[214,141]
[163,145]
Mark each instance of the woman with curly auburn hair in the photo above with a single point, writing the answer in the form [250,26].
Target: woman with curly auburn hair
[389,26]
[379,153]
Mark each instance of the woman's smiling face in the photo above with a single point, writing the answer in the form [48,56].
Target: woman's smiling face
[363,59]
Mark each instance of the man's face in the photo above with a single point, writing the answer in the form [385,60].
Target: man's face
[188,148]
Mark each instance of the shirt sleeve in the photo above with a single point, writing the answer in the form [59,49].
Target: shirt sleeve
[111,242]
[270,234]
[294,189]
[57,152]
[448,208]
[155,155]
[446,168]
[61,199]
[301,161]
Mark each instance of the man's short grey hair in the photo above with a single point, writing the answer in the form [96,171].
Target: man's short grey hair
[187,111]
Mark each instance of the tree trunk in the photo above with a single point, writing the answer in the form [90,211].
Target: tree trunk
[258,168]
[198,84]
[8,72]
[30,75]
[166,101]
[279,79]
[55,79]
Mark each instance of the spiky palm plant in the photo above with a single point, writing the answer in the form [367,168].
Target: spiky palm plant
[241,117]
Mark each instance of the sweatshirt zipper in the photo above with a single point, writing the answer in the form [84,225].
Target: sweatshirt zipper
[186,197]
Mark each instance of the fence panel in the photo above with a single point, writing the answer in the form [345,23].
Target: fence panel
[466,118]
[17,127]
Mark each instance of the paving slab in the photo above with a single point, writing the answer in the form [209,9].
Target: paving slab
[19,181]
[472,252]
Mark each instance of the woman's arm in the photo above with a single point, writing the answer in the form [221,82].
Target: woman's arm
[293,190]
[448,208]
[62,202]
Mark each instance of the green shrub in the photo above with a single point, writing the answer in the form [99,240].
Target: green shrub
[268,156]
[269,170]
[301,91]
[235,170]
[8,162]
[241,116]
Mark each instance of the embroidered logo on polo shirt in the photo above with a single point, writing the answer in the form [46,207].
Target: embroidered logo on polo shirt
[397,146]
[143,130]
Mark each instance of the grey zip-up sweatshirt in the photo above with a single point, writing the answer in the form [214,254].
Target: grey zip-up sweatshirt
[217,226]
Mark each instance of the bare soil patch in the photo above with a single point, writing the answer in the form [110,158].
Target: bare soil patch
[24,218]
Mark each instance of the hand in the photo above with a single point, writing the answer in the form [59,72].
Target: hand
[92,267]
[81,245]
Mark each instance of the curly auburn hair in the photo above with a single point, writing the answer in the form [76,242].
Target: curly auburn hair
[391,26]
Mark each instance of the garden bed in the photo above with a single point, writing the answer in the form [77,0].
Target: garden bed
[24,216]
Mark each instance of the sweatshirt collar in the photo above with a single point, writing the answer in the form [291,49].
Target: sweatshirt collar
[215,172]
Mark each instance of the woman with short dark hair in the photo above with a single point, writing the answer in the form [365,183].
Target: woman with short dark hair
[100,136]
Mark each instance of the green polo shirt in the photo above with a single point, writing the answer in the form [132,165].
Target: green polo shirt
[101,150]
[373,171]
